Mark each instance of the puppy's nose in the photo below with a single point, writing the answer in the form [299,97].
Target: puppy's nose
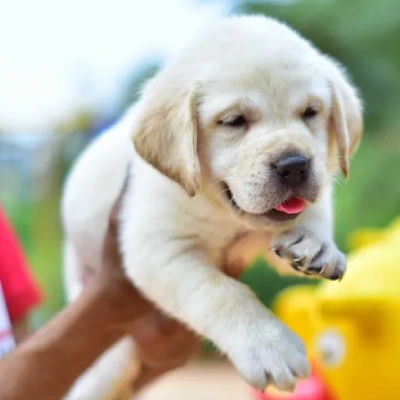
[292,169]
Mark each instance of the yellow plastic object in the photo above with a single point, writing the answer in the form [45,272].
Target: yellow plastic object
[352,328]
[293,307]
[363,238]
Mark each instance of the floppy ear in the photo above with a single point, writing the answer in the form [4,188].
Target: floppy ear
[346,115]
[166,133]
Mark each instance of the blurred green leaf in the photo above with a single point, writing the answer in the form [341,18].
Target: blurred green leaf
[362,34]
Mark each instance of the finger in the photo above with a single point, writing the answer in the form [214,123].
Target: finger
[111,251]
[154,327]
[234,270]
[171,352]
[169,343]
[182,348]
[114,214]
[170,355]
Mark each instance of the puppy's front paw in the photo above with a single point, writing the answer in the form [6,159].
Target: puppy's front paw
[307,253]
[271,354]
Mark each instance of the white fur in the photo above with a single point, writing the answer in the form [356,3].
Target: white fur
[174,245]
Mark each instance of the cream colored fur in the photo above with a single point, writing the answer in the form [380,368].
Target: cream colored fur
[177,221]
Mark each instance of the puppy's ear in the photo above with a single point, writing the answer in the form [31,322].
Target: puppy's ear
[166,133]
[346,115]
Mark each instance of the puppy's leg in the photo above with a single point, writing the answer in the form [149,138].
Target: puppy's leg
[310,247]
[178,278]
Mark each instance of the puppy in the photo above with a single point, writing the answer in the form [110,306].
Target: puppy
[241,133]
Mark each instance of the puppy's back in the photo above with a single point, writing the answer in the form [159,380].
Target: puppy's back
[92,189]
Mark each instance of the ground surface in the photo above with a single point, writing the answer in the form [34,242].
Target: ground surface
[205,380]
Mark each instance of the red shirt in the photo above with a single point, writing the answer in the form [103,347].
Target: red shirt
[20,291]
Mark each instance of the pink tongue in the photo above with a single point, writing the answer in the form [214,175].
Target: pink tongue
[294,205]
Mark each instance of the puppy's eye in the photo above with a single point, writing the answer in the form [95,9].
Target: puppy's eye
[309,113]
[234,122]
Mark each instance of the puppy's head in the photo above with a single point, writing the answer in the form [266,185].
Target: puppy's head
[250,115]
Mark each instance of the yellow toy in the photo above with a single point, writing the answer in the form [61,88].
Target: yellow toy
[352,329]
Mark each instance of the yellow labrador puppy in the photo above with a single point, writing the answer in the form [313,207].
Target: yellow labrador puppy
[240,133]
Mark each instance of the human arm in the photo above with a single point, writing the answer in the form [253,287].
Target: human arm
[46,364]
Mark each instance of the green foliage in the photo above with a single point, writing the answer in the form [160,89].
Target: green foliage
[362,34]
[371,198]
[266,282]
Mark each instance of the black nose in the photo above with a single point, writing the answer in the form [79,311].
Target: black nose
[293,169]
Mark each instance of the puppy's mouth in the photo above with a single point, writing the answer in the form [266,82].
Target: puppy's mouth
[285,211]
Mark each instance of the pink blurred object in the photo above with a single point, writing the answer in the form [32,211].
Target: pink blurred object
[310,389]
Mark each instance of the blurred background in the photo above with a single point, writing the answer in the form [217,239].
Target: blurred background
[68,69]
